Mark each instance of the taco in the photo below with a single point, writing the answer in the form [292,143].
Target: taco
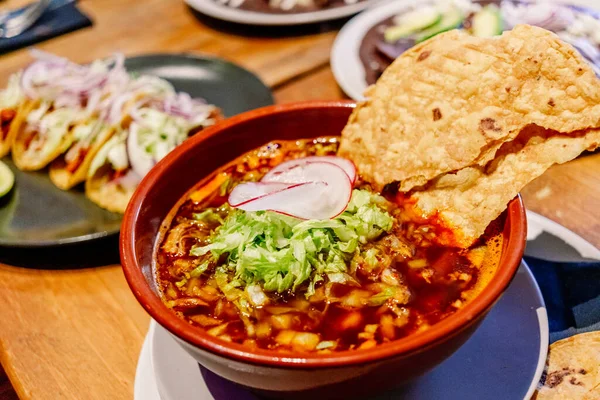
[65,106]
[71,167]
[149,132]
[12,110]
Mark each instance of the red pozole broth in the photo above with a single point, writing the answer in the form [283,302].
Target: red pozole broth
[413,285]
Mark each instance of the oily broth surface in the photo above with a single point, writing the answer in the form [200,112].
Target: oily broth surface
[432,299]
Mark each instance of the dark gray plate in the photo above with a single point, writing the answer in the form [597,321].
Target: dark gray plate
[37,214]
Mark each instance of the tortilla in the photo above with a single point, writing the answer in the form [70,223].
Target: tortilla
[572,369]
[15,125]
[463,123]
[115,197]
[427,115]
[65,179]
[473,197]
[26,161]
[111,197]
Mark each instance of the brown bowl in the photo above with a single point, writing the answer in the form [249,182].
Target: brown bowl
[332,375]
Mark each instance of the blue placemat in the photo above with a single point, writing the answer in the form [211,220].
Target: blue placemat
[62,17]
[572,295]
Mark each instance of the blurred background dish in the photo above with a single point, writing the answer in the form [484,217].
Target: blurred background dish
[371,41]
[36,213]
[262,14]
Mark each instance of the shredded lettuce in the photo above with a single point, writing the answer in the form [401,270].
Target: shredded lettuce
[382,296]
[209,215]
[280,253]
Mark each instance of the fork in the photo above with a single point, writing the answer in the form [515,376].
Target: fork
[12,27]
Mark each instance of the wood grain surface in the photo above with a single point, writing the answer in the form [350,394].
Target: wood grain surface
[69,326]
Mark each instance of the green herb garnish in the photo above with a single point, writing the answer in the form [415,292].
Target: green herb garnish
[280,253]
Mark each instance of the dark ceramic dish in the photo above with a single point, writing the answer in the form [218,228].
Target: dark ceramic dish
[38,214]
[353,371]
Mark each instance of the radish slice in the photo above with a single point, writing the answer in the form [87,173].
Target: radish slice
[302,200]
[241,194]
[288,171]
[318,190]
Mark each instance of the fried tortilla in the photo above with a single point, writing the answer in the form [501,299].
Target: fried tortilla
[474,196]
[64,177]
[463,123]
[111,197]
[21,112]
[27,160]
[572,369]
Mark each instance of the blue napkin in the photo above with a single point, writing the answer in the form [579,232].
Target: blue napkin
[61,17]
[571,292]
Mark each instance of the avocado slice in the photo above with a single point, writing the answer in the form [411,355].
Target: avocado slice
[487,22]
[451,19]
[411,22]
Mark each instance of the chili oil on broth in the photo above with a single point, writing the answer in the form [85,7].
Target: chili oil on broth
[432,281]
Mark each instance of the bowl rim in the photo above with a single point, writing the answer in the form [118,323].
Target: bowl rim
[450,326]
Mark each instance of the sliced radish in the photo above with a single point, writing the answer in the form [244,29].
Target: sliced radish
[242,193]
[295,200]
[288,169]
[318,190]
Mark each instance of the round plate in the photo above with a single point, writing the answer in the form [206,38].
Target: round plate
[504,359]
[36,213]
[345,61]
[226,13]
[550,241]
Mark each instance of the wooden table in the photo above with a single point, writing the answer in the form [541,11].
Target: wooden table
[76,333]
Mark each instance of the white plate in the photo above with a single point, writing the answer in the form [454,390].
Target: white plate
[345,61]
[216,10]
[551,241]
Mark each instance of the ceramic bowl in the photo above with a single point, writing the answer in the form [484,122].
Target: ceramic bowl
[339,374]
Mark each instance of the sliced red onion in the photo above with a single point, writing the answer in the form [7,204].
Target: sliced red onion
[241,194]
[140,161]
[52,58]
[115,112]
[549,16]
[129,181]
[51,76]
[294,171]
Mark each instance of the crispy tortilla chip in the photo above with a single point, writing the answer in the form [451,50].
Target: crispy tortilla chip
[27,161]
[108,196]
[463,123]
[572,369]
[452,101]
[21,113]
[63,178]
[474,196]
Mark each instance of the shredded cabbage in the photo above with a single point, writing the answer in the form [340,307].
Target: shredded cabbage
[279,252]
[52,131]
[113,151]
[12,96]
[159,133]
